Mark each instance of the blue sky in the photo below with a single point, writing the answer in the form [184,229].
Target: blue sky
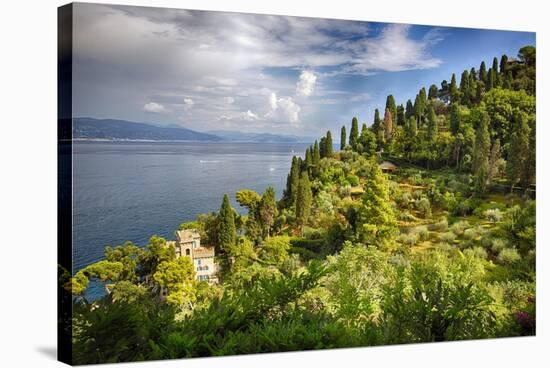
[258,73]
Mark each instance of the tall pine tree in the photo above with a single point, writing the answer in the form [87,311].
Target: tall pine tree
[227,231]
[354,133]
[518,153]
[390,104]
[480,161]
[329,149]
[303,200]
[343,137]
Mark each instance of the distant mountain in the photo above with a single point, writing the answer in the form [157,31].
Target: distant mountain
[234,136]
[112,129]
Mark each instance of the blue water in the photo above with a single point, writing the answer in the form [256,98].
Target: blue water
[130,191]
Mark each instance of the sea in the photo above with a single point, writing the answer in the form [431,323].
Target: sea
[129,191]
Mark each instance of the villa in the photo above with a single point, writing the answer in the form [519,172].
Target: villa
[188,244]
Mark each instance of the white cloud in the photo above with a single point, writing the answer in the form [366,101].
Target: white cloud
[249,116]
[273,101]
[209,56]
[188,103]
[393,50]
[283,110]
[306,83]
[154,107]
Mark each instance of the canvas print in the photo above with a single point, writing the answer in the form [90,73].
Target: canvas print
[236,183]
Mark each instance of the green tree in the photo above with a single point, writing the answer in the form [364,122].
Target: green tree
[432,127]
[432,92]
[504,64]
[519,149]
[354,133]
[409,110]
[453,90]
[227,234]
[482,146]
[303,200]
[343,137]
[292,182]
[329,149]
[388,124]
[268,210]
[465,88]
[401,120]
[178,277]
[367,140]
[455,118]
[376,220]
[483,72]
[390,104]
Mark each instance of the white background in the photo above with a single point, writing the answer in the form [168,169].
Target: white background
[28,182]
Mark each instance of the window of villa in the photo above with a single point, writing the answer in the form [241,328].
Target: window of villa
[187,252]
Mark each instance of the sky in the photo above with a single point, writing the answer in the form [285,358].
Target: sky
[211,71]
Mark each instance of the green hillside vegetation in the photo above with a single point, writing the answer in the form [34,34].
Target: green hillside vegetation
[441,249]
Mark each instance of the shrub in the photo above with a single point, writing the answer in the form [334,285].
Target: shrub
[473,233]
[448,237]
[353,180]
[422,232]
[406,216]
[441,225]
[345,191]
[493,215]
[459,227]
[477,252]
[509,256]
[444,246]
[408,239]
[498,245]
[405,199]
[424,207]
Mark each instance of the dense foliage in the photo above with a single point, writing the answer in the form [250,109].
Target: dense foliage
[441,249]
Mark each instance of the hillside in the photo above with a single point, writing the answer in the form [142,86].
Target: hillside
[113,129]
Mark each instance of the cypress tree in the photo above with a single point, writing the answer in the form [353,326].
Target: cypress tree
[401,115]
[455,119]
[473,74]
[329,150]
[453,91]
[388,124]
[483,72]
[268,211]
[479,91]
[409,110]
[490,79]
[323,147]
[227,233]
[343,137]
[292,182]
[377,122]
[465,88]
[390,104]
[419,109]
[519,148]
[432,92]
[354,133]
[494,157]
[504,64]
[316,154]
[303,200]
[308,162]
[482,146]
[432,124]
[495,64]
